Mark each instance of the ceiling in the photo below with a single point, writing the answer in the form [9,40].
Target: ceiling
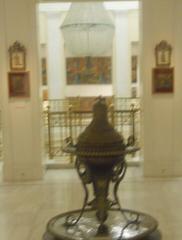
[115,5]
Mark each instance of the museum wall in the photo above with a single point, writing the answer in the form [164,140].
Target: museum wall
[126,32]
[21,116]
[161,20]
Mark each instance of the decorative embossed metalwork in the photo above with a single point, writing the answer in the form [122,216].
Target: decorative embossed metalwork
[87,227]
[100,160]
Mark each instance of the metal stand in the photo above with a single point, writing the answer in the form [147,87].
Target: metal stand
[100,162]
[87,227]
[154,236]
[89,223]
[117,175]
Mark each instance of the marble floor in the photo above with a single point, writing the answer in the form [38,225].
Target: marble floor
[26,207]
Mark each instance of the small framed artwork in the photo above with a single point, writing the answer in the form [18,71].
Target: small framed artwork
[163,80]
[134,63]
[163,52]
[19,86]
[44,71]
[17,54]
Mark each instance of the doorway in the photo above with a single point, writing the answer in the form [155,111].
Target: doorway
[123,92]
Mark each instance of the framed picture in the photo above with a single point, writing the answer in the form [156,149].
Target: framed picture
[44,71]
[19,86]
[89,70]
[134,63]
[17,54]
[163,52]
[163,80]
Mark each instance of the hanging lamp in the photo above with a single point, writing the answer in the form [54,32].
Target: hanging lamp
[88,29]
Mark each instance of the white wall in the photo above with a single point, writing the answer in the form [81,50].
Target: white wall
[161,20]
[55,56]
[21,118]
[89,90]
[133,18]
[42,20]
[122,55]
[126,32]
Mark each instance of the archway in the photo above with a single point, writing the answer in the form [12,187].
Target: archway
[125,86]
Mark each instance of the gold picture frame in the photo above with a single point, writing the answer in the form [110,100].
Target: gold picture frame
[44,71]
[134,63]
[18,84]
[163,80]
[17,55]
[163,52]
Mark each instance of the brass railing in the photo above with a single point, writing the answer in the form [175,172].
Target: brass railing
[126,103]
[61,125]
[77,103]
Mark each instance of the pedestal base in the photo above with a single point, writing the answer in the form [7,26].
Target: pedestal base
[87,228]
[154,236]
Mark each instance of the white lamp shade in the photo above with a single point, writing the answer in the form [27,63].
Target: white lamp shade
[88,29]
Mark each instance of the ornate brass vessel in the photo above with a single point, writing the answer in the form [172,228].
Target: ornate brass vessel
[100,161]
[101,150]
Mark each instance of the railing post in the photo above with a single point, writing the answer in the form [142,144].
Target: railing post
[112,100]
[133,122]
[70,122]
[49,132]
[111,109]
[78,103]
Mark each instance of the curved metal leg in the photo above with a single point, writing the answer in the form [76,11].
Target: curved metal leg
[135,222]
[85,179]
[118,176]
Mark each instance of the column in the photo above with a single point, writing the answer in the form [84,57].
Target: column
[21,116]
[162,113]
[55,56]
[122,69]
